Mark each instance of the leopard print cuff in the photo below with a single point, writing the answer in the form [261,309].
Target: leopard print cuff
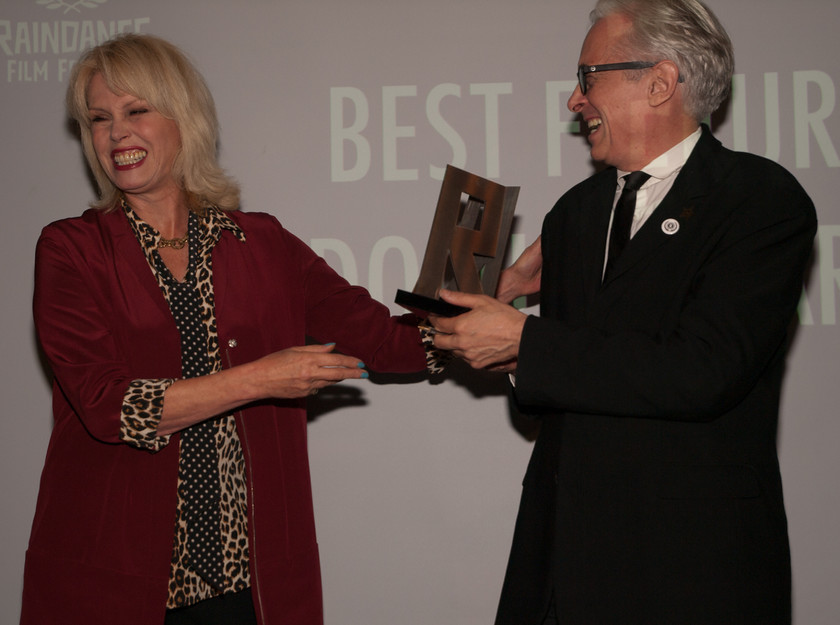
[142,410]
[436,359]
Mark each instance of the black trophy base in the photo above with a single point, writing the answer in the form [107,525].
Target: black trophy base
[413,301]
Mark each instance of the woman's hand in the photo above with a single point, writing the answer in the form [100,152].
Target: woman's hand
[302,371]
[290,373]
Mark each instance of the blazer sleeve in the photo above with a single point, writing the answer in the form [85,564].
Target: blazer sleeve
[717,335]
[74,331]
[336,311]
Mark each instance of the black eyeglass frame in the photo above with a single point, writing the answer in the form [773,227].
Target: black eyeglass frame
[583,70]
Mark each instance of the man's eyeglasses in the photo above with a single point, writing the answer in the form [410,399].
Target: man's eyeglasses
[583,70]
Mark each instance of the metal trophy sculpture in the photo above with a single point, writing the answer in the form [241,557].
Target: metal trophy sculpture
[467,243]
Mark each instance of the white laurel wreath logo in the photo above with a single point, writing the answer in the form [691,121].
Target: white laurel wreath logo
[71,6]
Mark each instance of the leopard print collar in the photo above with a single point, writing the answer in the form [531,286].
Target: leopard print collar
[213,223]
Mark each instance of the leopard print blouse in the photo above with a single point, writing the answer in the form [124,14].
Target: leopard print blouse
[142,410]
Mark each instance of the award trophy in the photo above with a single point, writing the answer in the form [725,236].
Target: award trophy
[467,242]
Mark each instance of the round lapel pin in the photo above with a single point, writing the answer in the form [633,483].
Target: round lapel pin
[670,226]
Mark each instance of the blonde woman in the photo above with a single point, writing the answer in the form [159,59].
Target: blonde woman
[176,485]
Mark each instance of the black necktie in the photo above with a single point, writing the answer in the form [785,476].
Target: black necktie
[623,217]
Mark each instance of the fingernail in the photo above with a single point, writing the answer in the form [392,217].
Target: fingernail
[329,344]
[360,365]
[365,375]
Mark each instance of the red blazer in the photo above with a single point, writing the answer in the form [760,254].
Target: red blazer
[102,535]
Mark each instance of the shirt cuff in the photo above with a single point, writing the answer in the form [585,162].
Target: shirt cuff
[142,410]
[436,359]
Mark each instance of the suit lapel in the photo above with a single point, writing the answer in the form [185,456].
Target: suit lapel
[672,218]
[592,239]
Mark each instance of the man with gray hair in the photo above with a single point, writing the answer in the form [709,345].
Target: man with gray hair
[668,282]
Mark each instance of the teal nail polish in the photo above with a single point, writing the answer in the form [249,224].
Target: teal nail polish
[360,365]
[365,375]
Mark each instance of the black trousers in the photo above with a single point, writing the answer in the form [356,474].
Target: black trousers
[231,609]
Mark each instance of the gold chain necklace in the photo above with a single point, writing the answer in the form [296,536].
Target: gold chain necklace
[175,244]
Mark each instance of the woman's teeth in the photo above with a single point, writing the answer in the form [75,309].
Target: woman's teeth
[129,157]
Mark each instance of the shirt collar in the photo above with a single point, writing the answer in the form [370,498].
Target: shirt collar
[218,220]
[671,162]
[213,222]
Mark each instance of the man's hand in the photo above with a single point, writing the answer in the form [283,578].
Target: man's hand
[523,276]
[487,336]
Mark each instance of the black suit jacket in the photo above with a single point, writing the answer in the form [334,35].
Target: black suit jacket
[653,494]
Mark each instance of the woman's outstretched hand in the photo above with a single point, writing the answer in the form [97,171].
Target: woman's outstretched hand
[287,374]
[301,371]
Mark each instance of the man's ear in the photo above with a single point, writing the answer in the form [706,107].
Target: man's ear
[665,76]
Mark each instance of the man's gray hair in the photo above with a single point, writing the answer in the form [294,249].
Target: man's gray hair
[685,32]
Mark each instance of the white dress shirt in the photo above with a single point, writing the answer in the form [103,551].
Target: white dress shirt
[663,172]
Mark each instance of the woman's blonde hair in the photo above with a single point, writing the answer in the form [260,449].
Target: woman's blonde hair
[154,70]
